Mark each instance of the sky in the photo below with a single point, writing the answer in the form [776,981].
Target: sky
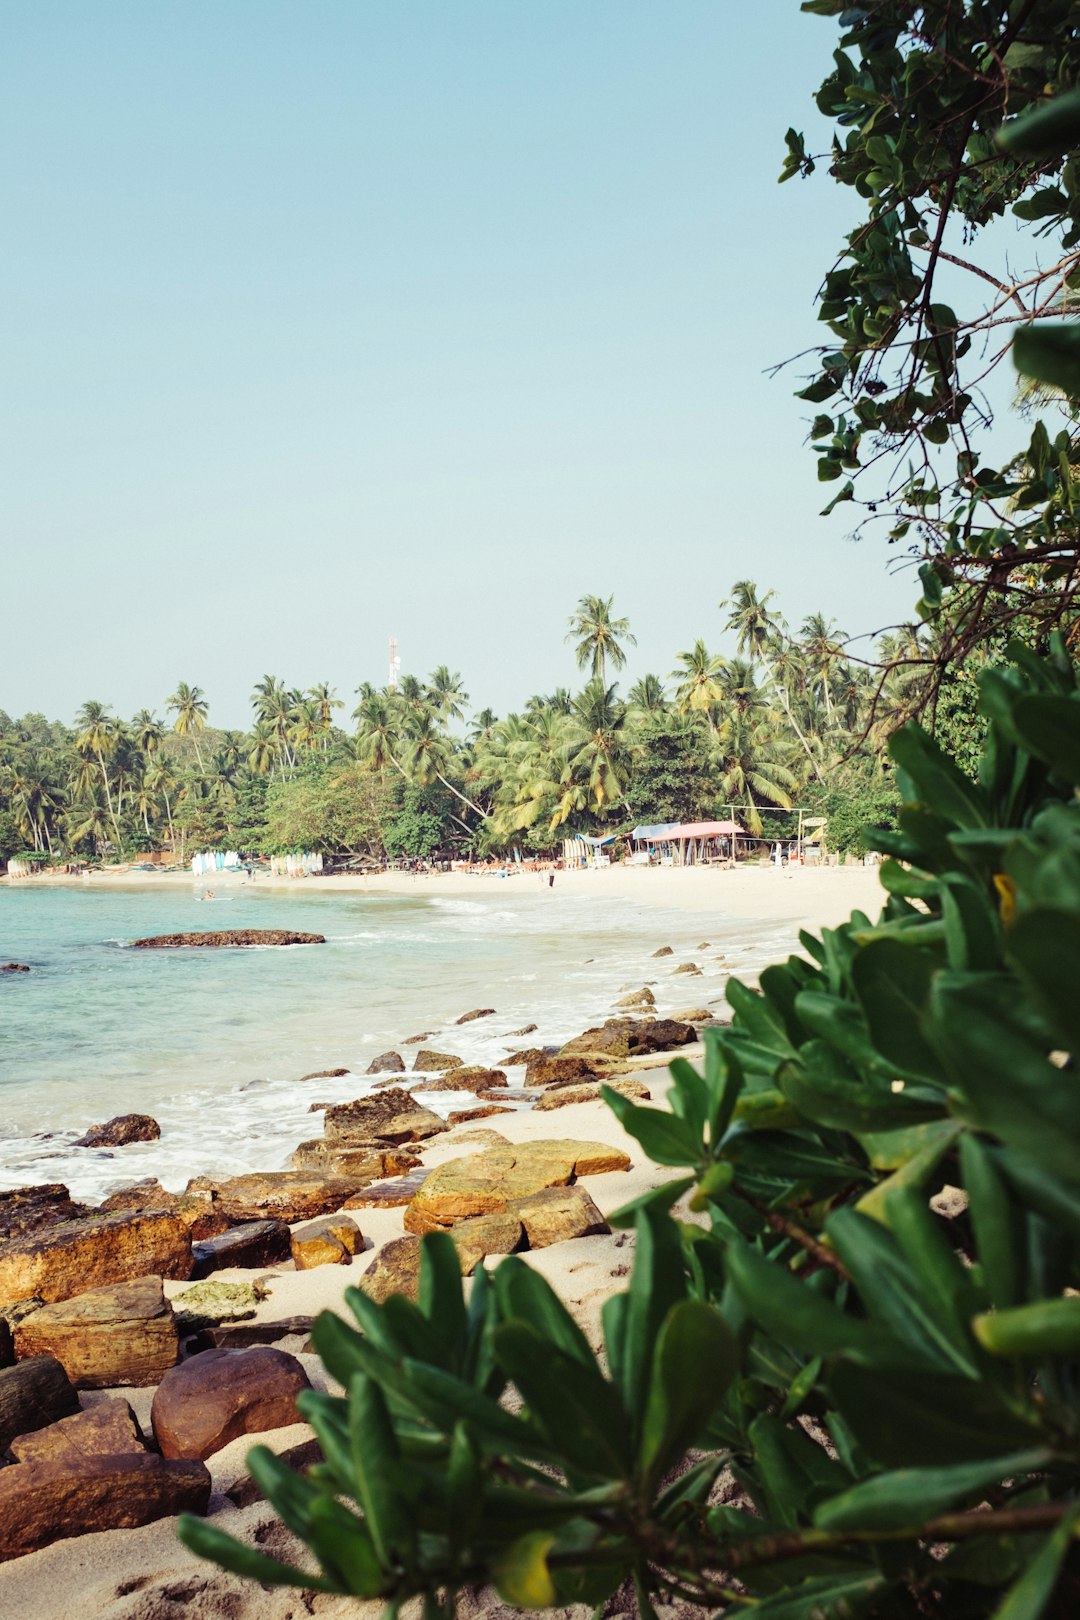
[323,321]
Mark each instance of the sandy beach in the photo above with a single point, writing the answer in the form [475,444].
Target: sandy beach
[145,1574]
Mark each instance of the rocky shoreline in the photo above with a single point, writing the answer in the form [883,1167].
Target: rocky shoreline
[170,1295]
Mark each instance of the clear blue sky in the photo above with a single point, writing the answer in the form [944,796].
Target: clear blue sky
[332,319]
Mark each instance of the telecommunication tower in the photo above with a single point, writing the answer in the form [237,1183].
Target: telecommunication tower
[395,666]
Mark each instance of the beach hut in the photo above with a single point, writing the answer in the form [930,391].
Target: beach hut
[689,843]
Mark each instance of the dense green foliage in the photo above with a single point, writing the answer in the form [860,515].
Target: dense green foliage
[724,734]
[888,1368]
[964,230]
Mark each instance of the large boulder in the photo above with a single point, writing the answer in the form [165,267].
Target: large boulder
[211,1302]
[629,1037]
[386,1063]
[665,950]
[32,1395]
[486,1234]
[331,1241]
[43,1502]
[487,1183]
[285,1195]
[225,938]
[388,1194]
[564,1071]
[105,1430]
[195,1209]
[527,1054]
[638,998]
[220,1394]
[252,1245]
[688,967]
[123,1333]
[361,1163]
[372,1121]
[58,1261]
[120,1131]
[556,1215]
[428,1062]
[26,1209]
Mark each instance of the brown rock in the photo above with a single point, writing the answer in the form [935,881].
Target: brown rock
[687,967]
[387,1063]
[484,1235]
[477,1012]
[429,1062]
[120,1131]
[336,1160]
[394,1270]
[220,1394]
[13,967]
[27,1209]
[558,1214]
[45,1502]
[639,998]
[361,1123]
[415,1126]
[195,1209]
[528,1054]
[665,950]
[242,1335]
[629,1037]
[414,1040]
[304,1455]
[562,1071]
[123,1333]
[33,1395]
[72,1256]
[105,1430]
[526,1029]
[704,946]
[487,1183]
[459,1116]
[251,1245]
[499,1096]
[333,1240]
[7,1344]
[474,1077]
[564,1096]
[325,1074]
[695,1015]
[387,1194]
[226,938]
[287,1195]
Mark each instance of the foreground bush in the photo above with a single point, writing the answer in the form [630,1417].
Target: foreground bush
[886,1373]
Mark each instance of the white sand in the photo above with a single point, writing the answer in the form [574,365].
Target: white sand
[145,1574]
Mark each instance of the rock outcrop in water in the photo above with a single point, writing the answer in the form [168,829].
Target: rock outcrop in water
[228,937]
[120,1131]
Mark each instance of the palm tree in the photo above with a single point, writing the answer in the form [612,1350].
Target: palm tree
[446,693]
[699,686]
[274,705]
[264,748]
[98,735]
[758,630]
[427,756]
[378,731]
[326,701]
[147,731]
[159,779]
[752,770]
[821,647]
[596,749]
[598,636]
[646,699]
[191,709]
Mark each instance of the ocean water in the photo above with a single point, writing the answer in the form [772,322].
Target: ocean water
[214,1043]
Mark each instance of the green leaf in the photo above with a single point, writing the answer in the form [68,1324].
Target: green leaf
[574,1405]
[666,1139]
[938,780]
[797,1315]
[695,1361]
[1044,947]
[825,1597]
[207,1541]
[376,1459]
[658,1198]
[1049,726]
[1044,131]
[657,1284]
[892,982]
[903,1419]
[440,1296]
[522,1292]
[1028,1597]
[909,1496]
[997,1223]
[1049,351]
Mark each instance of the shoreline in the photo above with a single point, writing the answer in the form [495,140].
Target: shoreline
[135,1574]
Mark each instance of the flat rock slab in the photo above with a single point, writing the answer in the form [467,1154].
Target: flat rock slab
[428,1062]
[58,1261]
[242,1335]
[251,1245]
[48,1501]
[563,1096]
[461,1116]
[388,1194]
[123,1333]
[470,1077]
[106,1430]
[220,1394]
[224,938]
[556,1215]
[32,1395]
[477,1012]
[195,1209]
[487,1183]
[208,1303]
[629,1037]
[286,1195]
[384,1119]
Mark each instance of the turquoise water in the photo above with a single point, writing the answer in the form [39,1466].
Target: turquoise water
[213,1043]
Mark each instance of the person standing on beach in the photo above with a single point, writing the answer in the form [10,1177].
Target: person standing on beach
[551,881]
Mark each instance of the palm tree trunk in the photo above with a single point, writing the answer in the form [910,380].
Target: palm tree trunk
[481,813]
[792,722]
[108,800]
